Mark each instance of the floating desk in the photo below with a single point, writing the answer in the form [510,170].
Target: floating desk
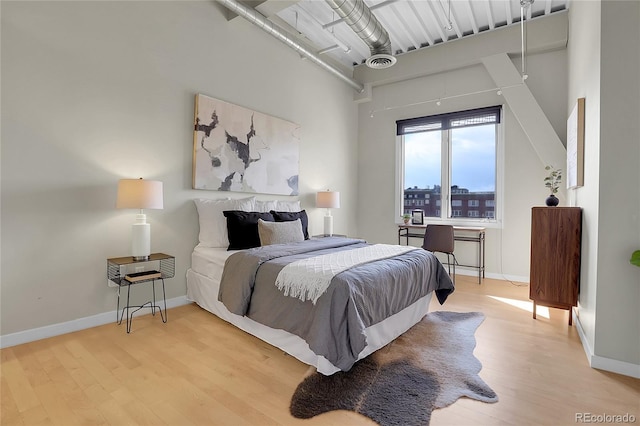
[474,234]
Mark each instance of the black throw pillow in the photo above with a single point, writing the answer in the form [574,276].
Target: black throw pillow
[289,216]
[242,228]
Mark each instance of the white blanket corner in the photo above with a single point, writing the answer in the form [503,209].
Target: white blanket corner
[308,279]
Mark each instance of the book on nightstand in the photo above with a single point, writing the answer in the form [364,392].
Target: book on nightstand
[139,276]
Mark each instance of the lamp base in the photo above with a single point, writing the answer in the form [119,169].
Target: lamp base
[141,238]
[140,258]
[328,225]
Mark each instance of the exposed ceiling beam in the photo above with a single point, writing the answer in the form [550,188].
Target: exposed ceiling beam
[525,108]
[507,10]
[439,25]
[472,19]
[271,7]
[404,26]
[254,17]
[546,33]
[423,26]
[492,23]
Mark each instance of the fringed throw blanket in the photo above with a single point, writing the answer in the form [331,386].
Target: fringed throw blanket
[308,279]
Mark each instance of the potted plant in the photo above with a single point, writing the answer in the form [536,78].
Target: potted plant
[552,181]
[406,218]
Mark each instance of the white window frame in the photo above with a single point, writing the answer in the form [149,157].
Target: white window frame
[443,202]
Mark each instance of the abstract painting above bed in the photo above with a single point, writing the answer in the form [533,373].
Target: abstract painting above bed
[237,149]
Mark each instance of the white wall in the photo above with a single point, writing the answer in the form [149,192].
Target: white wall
[605,65]
[584,82]
[508,244]
[97,91]
[618,325]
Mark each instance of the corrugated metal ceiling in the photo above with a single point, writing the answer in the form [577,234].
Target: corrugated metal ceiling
[411,24]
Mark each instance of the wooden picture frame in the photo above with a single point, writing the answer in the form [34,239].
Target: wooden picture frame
[575,146]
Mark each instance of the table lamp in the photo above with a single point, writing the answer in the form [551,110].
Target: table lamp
[329,200]
[140,194]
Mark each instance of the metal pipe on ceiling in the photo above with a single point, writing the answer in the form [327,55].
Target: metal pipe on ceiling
[364,23]
[273,30]
[371,8]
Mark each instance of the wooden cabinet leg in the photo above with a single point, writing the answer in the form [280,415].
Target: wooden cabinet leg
[534,309]
[570,316]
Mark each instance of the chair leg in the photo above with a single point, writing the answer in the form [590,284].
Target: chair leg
[449,263]
[454,268]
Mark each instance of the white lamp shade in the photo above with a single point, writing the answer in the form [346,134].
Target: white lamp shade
[328,199]
[139,194]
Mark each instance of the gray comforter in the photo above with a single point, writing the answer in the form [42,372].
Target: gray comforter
[356,298]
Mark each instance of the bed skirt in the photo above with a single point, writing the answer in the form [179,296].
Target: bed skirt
[204,291]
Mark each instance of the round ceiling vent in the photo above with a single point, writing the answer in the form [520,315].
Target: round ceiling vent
[380,61]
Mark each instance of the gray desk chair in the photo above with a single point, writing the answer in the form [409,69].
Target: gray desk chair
[439,238]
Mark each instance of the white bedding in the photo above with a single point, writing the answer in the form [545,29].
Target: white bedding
[209,261]
[203,282]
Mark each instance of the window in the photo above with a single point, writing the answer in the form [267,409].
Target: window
[453,159]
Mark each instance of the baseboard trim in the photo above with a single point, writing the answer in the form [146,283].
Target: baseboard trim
[615,366]
[33,334]
[582,335]
[461,270]
[603,363]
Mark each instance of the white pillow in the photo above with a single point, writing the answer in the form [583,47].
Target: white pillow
[266,206]
[287,206]
[277,205]
[280,232]
[213,225]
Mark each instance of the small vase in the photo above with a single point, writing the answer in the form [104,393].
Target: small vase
[406,221]
[552,201]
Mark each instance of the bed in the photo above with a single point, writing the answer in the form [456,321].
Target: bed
[351,316]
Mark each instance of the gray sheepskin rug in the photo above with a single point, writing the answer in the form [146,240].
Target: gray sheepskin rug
[428,367]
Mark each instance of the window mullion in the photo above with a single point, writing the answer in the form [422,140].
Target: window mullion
[445,190]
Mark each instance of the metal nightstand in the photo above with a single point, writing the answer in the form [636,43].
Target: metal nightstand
[166,269]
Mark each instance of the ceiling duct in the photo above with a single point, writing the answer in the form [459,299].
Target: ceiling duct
[363,22]
[273,30]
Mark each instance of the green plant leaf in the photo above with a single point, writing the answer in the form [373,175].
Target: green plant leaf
[635,258]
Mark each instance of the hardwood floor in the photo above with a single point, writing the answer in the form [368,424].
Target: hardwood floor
[197,369]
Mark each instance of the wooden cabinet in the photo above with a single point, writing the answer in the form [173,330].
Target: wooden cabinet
[555,257]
